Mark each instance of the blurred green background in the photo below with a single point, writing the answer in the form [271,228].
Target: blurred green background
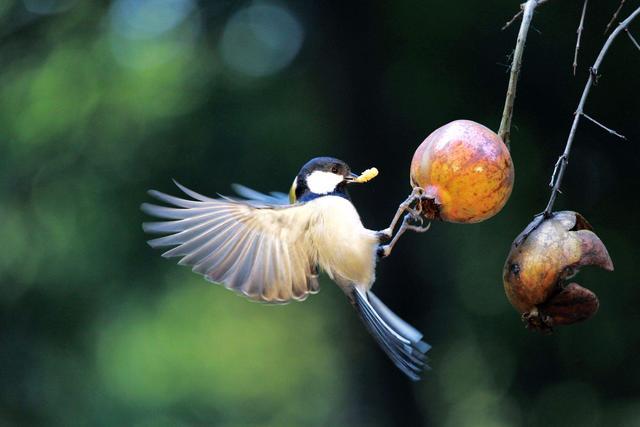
[100,101]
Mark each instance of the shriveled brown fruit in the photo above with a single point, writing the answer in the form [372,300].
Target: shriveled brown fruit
[465,170]
[542,258]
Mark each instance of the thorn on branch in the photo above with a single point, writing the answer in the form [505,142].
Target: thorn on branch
[615,15]
[611,131]
[518,15]
[579,32]
[594,73]
[633,40]
[512,20]
[556,168]
[510,57]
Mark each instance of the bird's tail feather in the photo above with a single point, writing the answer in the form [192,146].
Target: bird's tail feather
[401,341]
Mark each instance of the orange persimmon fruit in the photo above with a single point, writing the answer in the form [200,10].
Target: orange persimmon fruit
[466,173]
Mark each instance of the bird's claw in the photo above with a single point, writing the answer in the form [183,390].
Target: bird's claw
[410,221]
[418,228]
[383,251]
[413,220]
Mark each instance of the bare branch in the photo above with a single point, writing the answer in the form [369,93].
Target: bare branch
[579,32]
[505,123]
[633,40]
[615,15]
[564,158]
[611,131]
[518,15]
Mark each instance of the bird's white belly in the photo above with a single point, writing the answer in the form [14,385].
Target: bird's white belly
[346,250]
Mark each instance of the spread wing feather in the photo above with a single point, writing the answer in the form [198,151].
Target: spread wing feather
[274,198]
[261,251]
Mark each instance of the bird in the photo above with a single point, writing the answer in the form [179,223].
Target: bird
[272,247]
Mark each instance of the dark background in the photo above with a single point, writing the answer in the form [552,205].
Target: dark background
[101,101]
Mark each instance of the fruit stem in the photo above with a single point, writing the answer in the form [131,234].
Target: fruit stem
[563,160]
[505,123]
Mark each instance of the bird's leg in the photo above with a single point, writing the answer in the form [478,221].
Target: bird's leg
[405,206]
[385,250]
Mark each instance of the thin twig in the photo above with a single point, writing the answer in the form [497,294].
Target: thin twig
[579,32]
[580,111]
[512,20]
[633,40]
[556,168]
[611,131]
[505,123]
[518,15]
[615,15]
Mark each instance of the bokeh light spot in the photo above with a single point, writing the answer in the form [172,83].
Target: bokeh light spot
[148,18]
[261,40]
[149,33]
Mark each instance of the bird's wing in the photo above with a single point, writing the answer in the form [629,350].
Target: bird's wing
[261,252]
[274,198]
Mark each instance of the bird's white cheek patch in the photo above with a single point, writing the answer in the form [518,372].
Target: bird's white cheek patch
[323,182]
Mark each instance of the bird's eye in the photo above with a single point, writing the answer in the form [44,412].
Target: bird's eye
[334,169]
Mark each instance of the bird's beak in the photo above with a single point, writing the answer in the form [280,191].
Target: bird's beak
[352,177]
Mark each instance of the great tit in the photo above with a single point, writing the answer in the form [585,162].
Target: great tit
[270,248]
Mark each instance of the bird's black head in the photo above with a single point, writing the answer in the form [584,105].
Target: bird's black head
[321,176]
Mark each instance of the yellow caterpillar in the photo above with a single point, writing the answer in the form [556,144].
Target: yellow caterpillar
[367,175]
